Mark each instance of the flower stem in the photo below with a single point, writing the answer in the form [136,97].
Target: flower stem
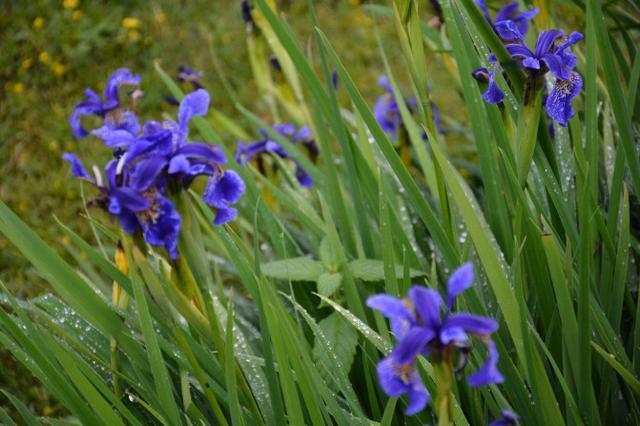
[444,382]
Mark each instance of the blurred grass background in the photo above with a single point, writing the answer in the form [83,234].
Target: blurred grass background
[52,50]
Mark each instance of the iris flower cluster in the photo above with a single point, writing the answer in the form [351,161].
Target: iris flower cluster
[387,112]
[246,152]
[424,325]
[551,53]
[152,163]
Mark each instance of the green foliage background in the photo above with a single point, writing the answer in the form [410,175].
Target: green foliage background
[89,41]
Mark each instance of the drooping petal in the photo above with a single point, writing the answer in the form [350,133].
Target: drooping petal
[195,103]
[418,397]
[77,168]
[412,344]
[470,323]
[224,215]
[460,280]
[493,94]
[389,380]
[427,303]
[398,379]
[230,187]
[161,225]
[221,191]
[489,373]
[558,104]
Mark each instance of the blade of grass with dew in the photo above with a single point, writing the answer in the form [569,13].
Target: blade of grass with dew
[424,210]
[160,374]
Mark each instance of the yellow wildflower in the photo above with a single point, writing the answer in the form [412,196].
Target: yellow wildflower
[130,23]
[38,22]
[26,64]
[160,18]
[58,68]
[44,57]
[18,88]
[76,15]
[70,4]
[54,146]
[134,35]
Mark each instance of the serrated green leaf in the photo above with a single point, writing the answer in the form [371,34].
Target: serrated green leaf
[373,270]
[328,283]
[328,255]
[294,269]
[341,337]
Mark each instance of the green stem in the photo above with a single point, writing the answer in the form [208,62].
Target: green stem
[444,381]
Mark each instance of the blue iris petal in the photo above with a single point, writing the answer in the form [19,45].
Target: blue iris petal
[488,373]
[558,103]
[396,380]
[459,281]
[77,168]
[222,191]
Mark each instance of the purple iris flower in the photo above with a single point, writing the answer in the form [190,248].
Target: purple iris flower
[149,212]
[266,145]
[508,418]
[423,327]
[155,163]
[165,151]
[109,108]
[387,112]
[510,12]
[551,54]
